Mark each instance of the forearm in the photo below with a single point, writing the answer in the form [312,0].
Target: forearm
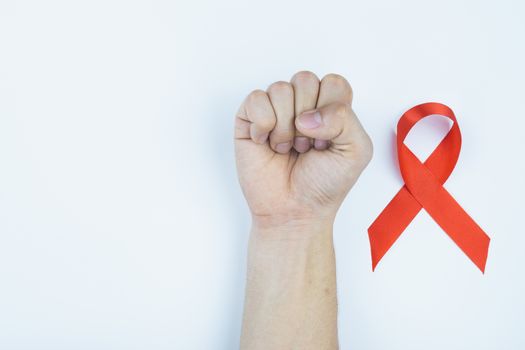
[291,288]
[299,149]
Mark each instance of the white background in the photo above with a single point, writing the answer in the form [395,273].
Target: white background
[122,225]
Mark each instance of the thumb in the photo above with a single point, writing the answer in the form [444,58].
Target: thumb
[335,122]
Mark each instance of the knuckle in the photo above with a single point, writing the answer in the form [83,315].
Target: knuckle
[304,76]
[338,81]
[255,96]
[280,86]
[335,78]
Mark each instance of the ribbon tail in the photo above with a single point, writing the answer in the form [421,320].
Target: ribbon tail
[391,223]
[460,227]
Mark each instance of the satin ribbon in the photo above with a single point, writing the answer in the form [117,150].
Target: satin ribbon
[423,188]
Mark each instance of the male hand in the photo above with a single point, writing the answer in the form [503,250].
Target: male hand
[299,148]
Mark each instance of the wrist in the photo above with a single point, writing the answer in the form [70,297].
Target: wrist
[291,230]
[290,254]
[289,242]
[292,224]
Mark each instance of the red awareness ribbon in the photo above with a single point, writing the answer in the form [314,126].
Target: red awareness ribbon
[423,188]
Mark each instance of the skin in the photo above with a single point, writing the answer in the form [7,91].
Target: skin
[299,149]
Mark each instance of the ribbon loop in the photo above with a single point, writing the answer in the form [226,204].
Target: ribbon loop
[424,189]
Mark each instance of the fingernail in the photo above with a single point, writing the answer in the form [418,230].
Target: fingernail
[301,144]
[320,144]
[283,147]
[310,119]
[262,139]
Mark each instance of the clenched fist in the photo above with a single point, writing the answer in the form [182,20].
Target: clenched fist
[299,148]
